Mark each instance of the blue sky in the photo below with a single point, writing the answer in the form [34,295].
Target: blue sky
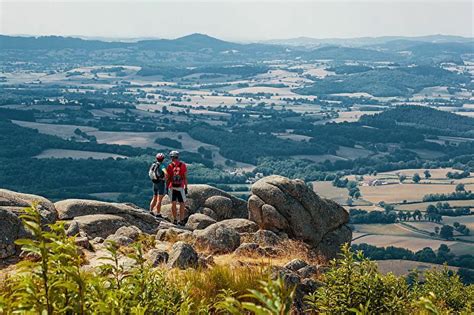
[237,20]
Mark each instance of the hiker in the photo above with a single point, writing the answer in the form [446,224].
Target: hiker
[157,174]
[177,186]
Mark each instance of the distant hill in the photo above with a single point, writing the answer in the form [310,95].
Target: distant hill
[309,42]
[401,81]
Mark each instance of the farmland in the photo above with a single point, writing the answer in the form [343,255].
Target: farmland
[356,124]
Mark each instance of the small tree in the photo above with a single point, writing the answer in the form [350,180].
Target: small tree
[427,174]
[402,178]
[446,232]
[416,178]
[460,188]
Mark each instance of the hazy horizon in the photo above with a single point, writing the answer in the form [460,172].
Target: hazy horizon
[235,20]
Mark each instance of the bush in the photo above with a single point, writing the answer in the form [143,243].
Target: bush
[354,282]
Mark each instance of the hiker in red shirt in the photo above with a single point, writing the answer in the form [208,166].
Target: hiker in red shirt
[177,185]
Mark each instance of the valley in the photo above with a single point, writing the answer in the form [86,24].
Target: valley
[386,134]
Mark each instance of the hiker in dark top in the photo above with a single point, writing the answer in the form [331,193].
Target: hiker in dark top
[177,185]
[157,174]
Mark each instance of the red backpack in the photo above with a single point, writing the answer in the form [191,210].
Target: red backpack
[176,179]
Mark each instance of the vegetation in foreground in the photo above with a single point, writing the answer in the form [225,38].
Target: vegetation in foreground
[51,280]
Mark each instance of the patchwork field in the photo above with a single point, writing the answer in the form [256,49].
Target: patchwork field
[327,190]
[423,205]
[63,131]
[414,243]
[384,229]
[404,267]
[75,154]
[399,192]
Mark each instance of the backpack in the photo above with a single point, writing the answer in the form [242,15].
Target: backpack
[155,173]
[176,179]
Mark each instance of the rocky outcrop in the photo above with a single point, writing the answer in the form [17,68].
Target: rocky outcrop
[290,206]
[11,228]
[211,201]
[15,202]
[182,255]
[217,238]
[100,225]
[125,235]
[199,221]
[115,215]
[239,225]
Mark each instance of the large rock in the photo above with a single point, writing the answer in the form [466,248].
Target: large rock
[182,255]
[16,202]
[239,225]
[125,235]
[199,221]
[290,206]
[11,228]
[211,201]
[100,225]
[132,215]
[217,238]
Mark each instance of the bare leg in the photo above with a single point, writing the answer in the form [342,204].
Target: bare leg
[158,205]
[153,203]
[181,211]
[173,209]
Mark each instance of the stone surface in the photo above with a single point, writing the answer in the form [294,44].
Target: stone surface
[131,232]
[73,229]
[71,208]
[307,271]
[83,242]
[211,201]
[295,264]
[182,255]
[100,225]
[239,225]
[249,249]
[266,238]
[217,238]
[16,202]
[11,228]
[199,221]
[290,206]
[156,257]
[169,234]
[120,240]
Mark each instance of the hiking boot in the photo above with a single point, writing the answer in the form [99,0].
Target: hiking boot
[175,222]
[158,216]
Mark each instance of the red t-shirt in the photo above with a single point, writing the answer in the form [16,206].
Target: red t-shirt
[177,173]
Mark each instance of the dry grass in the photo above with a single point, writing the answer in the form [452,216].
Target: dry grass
[384,229]
[75,154]
[398,192]
[414,243]
[404,267]
[204,285]
[423,205]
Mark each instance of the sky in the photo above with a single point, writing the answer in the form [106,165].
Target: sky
[238,20]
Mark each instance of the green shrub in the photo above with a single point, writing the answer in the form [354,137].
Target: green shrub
[354,282]
[272,298]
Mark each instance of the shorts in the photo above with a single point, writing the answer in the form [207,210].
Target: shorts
[177,194]
[159,188]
